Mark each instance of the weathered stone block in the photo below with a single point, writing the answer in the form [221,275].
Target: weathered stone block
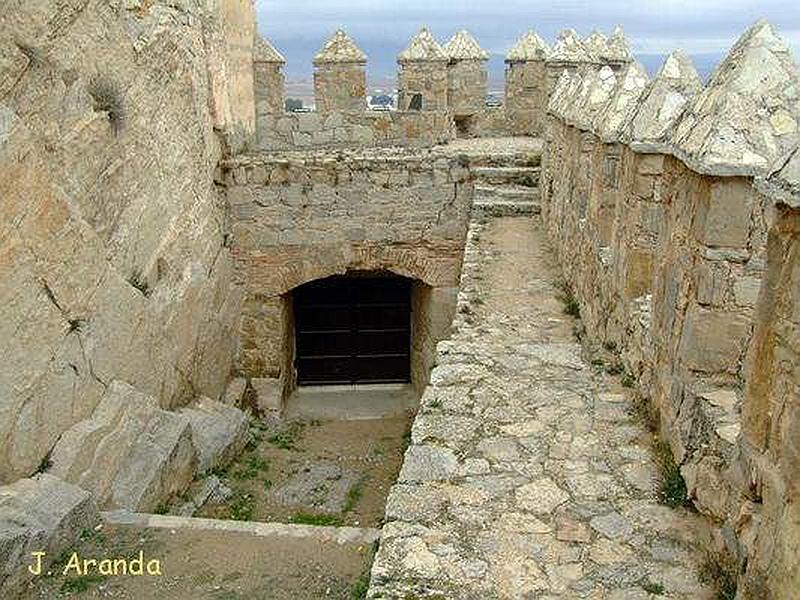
[745,291]
[650,164]
[712,341]
[726,218]
[269,393]
[235,391]
[129,453]
[219,432]
[41,514]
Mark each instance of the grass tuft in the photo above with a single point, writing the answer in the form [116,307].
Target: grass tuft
[107,98]
[720,572]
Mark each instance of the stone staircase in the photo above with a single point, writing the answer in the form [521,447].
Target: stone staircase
[508,189]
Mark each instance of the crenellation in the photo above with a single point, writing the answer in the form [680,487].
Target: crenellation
[340,78]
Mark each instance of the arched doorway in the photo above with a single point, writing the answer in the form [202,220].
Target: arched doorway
[353,329]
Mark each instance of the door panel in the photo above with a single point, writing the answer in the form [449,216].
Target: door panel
[353,329]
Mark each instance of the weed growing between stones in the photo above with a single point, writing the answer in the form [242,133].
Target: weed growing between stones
[253,466]
[81,583]
[655,588]
[287,439]
[242,506]
[354,495]
[720,572]
[107,98]
[567,297]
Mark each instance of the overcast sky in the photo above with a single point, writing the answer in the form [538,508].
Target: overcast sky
[382,27]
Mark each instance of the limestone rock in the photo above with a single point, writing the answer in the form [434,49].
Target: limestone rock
[618,50]
[219,432]
[783,181]
[597,44]
[323,486]
[748,115]
[565,88]
[130,453]
[40,514]
[662,104]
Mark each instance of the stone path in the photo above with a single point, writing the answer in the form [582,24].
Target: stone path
[526,476]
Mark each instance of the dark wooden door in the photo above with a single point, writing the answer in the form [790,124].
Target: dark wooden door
[353,329]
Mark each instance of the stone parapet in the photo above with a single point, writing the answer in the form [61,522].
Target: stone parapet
[660,200]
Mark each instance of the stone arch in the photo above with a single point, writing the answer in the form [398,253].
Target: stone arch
[425,265]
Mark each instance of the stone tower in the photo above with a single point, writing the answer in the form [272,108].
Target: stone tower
[526,82]
[268,78]
[340,78]
[467,78]
[422,77]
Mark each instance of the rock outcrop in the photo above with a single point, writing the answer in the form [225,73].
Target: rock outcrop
[130,454]
[219,432]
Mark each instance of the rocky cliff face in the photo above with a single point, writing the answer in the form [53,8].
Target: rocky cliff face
[113,118]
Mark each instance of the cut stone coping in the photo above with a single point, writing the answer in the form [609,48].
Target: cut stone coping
[530,47]
[462,46]
[340,535]
[265,52]
[747,117]
[340,48]
[423,48]
[569,49]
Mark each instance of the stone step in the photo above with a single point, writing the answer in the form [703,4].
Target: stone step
[507,192]
[524,176]
[506,208]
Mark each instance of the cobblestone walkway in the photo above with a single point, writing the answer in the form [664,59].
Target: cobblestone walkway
[526,476]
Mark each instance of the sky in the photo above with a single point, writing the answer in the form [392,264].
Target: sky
[706,29]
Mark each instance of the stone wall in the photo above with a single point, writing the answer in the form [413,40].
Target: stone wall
[113,232]
[300,217]
[269,89]
[287,131]
[663,242]
[467,82]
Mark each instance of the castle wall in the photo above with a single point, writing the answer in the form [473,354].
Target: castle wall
[297,218]
[770,443]
[113,232]
[667,265]
[287,131]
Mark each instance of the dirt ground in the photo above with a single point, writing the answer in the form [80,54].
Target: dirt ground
[370,451]
[214,565]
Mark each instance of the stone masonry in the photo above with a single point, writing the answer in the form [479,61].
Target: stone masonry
[527,475]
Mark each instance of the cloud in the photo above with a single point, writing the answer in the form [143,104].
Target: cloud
[381,26]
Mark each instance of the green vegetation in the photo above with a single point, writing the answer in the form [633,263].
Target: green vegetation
[242,506]
[672,490]
[354,495]
[287,438]
[107,98]
[571,305]
[82,583]
[653,587]
[252,467]
[720,572]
